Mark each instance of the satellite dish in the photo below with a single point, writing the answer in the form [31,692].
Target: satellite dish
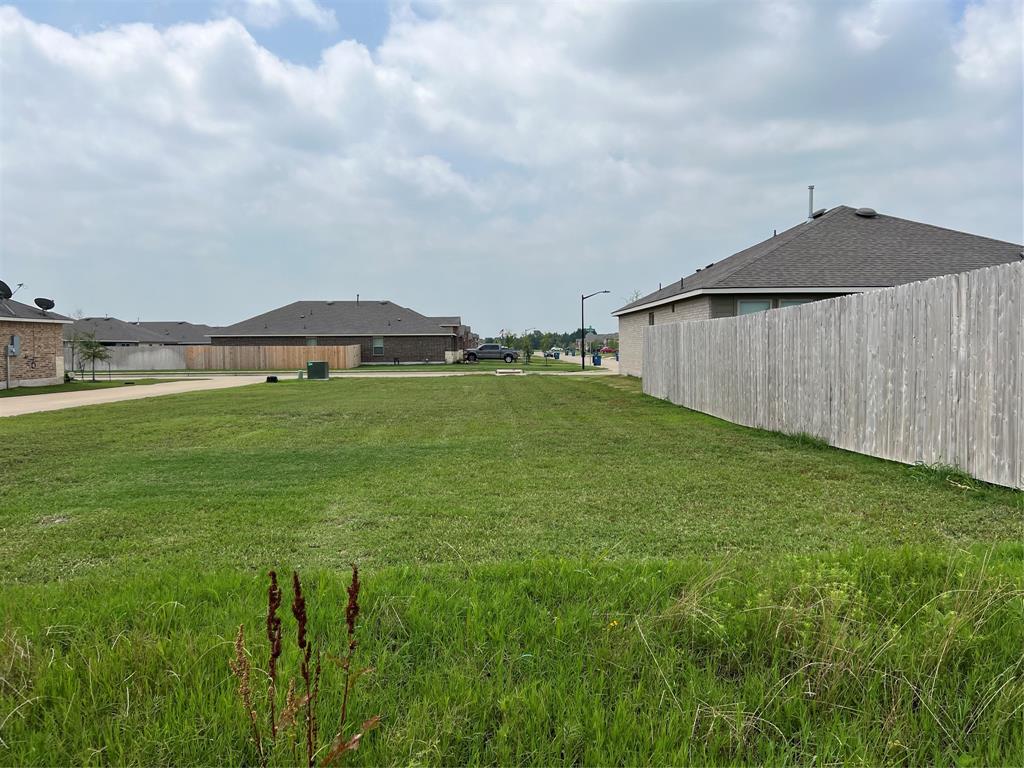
[5,290]
[45,304]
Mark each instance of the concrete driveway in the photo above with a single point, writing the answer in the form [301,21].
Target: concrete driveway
[16,406]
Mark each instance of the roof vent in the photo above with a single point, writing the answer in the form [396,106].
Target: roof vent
[866,213]
[709,266]
[819,212]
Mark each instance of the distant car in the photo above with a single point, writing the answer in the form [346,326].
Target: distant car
[551,352]
[607,351]
[491,352]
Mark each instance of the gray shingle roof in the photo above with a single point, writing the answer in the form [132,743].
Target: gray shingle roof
[180,331]
[110,330]
[340,318]
[10,308]
[843,250]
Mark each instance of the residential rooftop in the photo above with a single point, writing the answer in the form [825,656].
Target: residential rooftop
[111,330]
[15,310]
[845,249]
[179,331]
[342,318]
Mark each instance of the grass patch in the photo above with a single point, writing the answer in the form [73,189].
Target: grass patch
[873,657]
[557,570]
[78,386]
[538,364]
[471,469]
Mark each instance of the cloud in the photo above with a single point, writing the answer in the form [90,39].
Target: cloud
[488,159]
[271,13]
[989,49]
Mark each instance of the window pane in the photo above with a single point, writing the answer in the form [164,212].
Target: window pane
[650,318]
[751,306]
[378,345]
[793,302]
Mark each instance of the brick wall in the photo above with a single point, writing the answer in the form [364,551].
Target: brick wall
[406,348]
[41,360]
[631,328]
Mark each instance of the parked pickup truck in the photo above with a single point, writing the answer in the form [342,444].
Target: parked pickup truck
[491,352]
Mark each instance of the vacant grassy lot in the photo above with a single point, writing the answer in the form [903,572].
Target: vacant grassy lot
[558,570]
[77,386]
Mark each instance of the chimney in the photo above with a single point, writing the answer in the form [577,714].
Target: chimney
[810,202]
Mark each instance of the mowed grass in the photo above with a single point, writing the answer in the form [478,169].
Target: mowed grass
[77,386]
[558,570]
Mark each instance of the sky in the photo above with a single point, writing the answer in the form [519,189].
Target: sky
[208,160]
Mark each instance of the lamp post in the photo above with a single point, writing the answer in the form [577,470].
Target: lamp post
[583,330]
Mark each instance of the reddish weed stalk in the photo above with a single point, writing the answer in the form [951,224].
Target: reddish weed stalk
[300,711]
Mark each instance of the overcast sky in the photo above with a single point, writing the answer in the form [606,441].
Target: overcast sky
[211,160]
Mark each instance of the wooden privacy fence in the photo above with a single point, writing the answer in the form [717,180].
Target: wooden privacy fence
[206,357]
[929,372]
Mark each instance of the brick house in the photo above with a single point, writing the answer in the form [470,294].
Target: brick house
[40,356]
[833,253]
[385,332]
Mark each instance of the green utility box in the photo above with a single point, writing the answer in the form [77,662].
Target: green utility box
[317,369]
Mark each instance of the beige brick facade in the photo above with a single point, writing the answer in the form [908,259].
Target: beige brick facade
[631,328]
[707,307]
[41,359]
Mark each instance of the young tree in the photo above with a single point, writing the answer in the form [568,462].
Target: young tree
[526,345]
[90,350]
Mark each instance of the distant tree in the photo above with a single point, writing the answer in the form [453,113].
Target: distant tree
[74,342]
[91,351]
[526,346]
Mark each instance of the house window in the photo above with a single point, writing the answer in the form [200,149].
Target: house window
[650,318]
[378,345]
[673,306]
[749,306]
[311,341]
[792,302]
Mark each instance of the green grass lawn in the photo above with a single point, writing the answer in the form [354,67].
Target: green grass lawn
[77,386]
[538,363]
[557,569]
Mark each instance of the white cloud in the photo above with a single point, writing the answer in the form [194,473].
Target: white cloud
[990,47]
[190,172]
[271,13]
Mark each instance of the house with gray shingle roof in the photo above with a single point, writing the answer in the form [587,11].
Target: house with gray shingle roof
[179,331]
[112,332]
[834,253]
[385,331]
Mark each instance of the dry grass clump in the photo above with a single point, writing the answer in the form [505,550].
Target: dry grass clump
[298,721]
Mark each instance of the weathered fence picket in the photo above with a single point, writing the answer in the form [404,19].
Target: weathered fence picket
[929,372]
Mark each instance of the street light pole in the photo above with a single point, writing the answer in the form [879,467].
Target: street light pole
[583,329]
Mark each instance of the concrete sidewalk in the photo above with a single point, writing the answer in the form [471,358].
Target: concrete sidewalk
[16,406]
